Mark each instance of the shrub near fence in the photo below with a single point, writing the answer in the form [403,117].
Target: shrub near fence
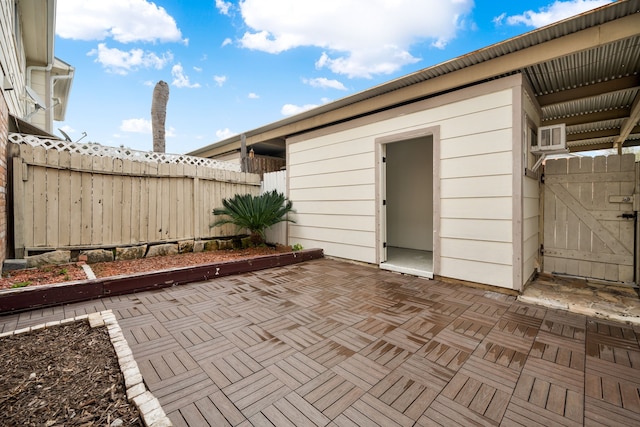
[67,200]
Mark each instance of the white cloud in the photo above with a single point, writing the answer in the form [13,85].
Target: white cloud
[391,28]
[220,80]
[291,109]
[324,83]
[180,79]
[122,62]
[197,69]
[67,129]
[253,96]
[142,126]
[224,133]
[226,42]
[497,20]
[136,126]
[125,21]
[223,6]
[554,12]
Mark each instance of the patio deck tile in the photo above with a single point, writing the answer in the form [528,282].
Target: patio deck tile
[330,343]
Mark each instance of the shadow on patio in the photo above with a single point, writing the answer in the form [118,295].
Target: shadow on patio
[331,343]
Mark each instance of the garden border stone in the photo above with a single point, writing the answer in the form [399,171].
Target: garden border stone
[147,404]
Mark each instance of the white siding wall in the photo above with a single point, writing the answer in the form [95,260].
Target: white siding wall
[476,185]
[12,60]
[530,207]
[530,225]
[332,183]
[39,85]
[231,158]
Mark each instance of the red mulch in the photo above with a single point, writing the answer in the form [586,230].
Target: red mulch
[72,272]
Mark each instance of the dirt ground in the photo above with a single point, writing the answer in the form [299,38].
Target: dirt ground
[71,272]
[63,376]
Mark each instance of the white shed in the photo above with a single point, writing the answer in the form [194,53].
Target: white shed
[438,180]
[433,174]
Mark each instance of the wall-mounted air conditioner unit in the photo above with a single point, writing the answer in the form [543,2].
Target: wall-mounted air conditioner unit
[550,138]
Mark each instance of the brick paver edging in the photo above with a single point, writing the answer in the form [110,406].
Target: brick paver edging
[148,405]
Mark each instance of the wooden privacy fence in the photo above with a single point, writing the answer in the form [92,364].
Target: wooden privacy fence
[67,200]
[590,207]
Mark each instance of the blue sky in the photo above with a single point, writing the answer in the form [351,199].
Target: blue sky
[233,66]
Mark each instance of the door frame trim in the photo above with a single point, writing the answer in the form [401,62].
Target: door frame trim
[434,132]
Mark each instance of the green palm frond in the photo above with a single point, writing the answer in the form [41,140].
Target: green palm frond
[255,213]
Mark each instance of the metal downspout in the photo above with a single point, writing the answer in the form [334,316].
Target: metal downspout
[52,86]
[37,68]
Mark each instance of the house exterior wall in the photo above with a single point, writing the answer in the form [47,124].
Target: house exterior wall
[12,66]
[530,193]
[4,132]
[476,193]
[39,85]
[230,157]
[332,182]
[12,58]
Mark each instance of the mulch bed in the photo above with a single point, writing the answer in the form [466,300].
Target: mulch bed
[42,276]
[64,375]
[71,272]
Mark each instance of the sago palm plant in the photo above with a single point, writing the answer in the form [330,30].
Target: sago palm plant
[255,213]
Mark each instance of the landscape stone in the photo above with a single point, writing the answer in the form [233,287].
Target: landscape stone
[131,252]
[225,244]
[163,250]
[185,246]
[48,258]
[246,242]
[97,255]
[198,246]
[211,245]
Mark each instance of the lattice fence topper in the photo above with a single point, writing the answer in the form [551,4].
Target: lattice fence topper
[95,149]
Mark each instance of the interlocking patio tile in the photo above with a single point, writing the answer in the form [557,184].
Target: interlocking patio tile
[331,343]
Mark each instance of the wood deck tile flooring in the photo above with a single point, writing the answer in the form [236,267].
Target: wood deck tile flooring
[327,343]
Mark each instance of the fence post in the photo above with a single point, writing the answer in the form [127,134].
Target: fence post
[243,153]
[636,208]
[196,208]
[20,174]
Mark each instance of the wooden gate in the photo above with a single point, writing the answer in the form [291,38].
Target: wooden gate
[590,214]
